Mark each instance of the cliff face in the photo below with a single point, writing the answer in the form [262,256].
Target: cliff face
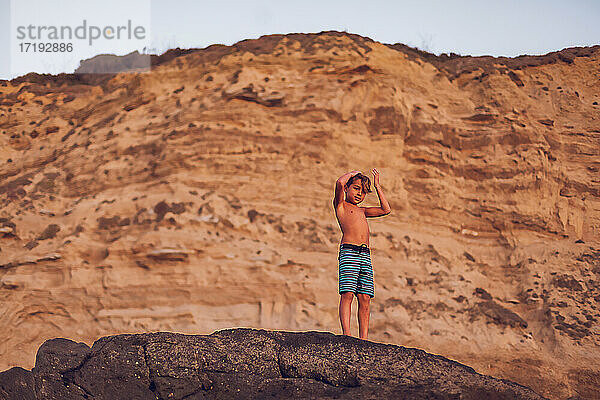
[246,364]
[198,197]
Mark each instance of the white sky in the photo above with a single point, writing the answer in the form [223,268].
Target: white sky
[467,27]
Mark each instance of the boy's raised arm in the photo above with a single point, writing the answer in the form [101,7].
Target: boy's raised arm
[384,206]
[339,187]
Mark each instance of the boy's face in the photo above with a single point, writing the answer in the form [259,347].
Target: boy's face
[355,193]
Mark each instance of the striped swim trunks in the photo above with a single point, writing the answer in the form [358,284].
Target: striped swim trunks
[355,272]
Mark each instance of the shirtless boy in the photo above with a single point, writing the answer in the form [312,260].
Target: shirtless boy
[355,271]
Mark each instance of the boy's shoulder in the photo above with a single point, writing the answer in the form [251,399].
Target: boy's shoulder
[344,206]
[340,207]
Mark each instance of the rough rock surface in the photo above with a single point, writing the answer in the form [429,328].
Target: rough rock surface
[247,364]
[198,196]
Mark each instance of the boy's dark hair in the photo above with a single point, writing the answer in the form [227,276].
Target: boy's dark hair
[364,180]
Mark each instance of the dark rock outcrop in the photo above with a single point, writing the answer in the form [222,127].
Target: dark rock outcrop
[246,364]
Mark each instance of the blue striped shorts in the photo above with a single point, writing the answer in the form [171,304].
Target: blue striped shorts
[355,272]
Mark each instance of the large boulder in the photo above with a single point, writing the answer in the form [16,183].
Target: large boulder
[246,364]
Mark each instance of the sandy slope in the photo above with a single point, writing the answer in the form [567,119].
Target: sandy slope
[198,197]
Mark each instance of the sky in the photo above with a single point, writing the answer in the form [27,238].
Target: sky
[467,27]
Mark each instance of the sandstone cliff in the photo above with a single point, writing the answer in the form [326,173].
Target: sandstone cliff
[198,197]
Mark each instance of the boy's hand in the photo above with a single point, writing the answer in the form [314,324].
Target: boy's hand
[346,177]
[375,177]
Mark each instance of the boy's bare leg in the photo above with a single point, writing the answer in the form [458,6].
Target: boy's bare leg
[345,311]
[364,302]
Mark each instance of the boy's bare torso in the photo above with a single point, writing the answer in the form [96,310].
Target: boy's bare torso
[353,223]
[350,190]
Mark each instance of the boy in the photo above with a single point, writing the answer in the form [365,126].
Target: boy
[355,270]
